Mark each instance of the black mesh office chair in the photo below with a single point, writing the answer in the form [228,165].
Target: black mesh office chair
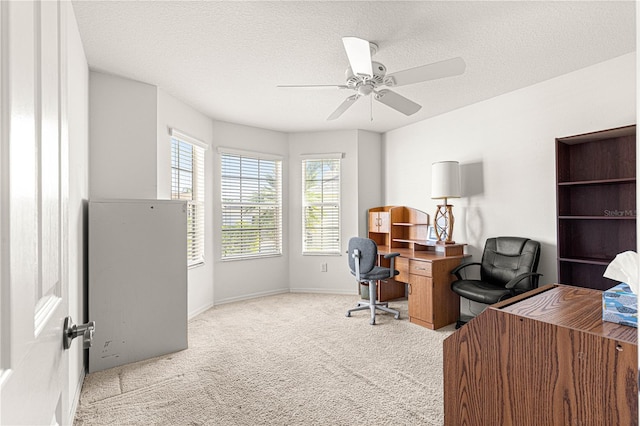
[363,254]
[508,268]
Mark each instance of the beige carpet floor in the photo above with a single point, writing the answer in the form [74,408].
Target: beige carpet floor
[289,359]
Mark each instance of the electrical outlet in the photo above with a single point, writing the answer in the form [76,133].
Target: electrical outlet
[323,267]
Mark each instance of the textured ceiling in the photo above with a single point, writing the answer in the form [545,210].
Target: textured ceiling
[226,58]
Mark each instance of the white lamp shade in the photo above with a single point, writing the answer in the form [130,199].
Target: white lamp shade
[445,179]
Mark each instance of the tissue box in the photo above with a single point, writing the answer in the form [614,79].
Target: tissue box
[620,305]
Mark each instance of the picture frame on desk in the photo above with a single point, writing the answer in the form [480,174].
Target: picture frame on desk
[431,234]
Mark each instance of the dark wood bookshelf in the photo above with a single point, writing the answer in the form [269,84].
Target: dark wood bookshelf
[596,203]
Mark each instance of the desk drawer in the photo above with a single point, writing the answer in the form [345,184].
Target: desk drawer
[419,267]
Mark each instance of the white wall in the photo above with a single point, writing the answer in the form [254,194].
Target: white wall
[238,280]
[360,190]
[130,155]
[78,122]
[145,173]
[506,147]
[122,135]
[173,113]
[305,272]
[370,177]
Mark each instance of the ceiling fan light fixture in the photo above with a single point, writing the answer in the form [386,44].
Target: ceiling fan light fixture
[365,89]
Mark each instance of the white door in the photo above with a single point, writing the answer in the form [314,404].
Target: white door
[33,180]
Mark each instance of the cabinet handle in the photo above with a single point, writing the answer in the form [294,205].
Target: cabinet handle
[419,269]
[409,288]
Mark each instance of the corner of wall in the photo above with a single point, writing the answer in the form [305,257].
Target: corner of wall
[123,118]
[370,187]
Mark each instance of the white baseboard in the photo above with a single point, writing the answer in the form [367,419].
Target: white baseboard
[75,399]
[278,291]
[250,296]
[323,291]
[199,310]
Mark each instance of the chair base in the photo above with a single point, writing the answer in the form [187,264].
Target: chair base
[469,309]
[463,320]
[372,305]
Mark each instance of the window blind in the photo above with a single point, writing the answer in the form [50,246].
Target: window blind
[187,183]
[251,206]
[321,206]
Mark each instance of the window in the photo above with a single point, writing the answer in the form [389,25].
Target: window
[321,204]
[187,183]
[251,205]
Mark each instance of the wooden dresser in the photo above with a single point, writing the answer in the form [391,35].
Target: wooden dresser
[542,358]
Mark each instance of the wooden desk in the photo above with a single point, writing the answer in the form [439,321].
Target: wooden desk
[432,304]
[542,358]
[404,230]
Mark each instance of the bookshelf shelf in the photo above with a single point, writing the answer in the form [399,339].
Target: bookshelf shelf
[596,203]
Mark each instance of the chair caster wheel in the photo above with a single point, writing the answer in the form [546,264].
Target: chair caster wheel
[397,316]
[348,314]
[372,322]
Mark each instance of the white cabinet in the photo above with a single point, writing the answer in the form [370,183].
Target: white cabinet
[137,280]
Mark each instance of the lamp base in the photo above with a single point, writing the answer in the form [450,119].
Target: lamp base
[443,224]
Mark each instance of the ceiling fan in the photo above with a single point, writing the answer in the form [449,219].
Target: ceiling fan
[365,77]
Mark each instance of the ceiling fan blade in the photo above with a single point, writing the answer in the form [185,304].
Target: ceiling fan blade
[313,86]
[343,107]
[446,68]
[397,102]
[359,54]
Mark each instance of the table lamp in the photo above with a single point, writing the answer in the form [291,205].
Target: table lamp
[445,183]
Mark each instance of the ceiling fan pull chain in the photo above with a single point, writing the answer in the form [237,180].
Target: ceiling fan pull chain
[371,107]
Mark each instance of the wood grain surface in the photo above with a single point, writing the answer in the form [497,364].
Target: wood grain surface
[547,359]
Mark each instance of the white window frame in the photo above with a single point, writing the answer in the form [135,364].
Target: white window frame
[331,225]
[196,199]
[238,205]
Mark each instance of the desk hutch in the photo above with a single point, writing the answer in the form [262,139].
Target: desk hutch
[423,267]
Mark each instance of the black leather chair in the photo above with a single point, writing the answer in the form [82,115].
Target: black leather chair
[363,254]
[508,268]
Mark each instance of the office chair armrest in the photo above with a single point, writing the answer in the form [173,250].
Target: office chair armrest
[392,267]
[512,283]
[457,269]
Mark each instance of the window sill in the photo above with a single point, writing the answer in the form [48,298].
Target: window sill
[233,259]
[196,265]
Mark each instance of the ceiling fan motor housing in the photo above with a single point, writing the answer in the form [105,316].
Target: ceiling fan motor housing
[354,81]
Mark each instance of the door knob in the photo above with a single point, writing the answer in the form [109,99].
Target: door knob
[71,331]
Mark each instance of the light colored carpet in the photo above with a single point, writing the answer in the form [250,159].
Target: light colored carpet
[290,359]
